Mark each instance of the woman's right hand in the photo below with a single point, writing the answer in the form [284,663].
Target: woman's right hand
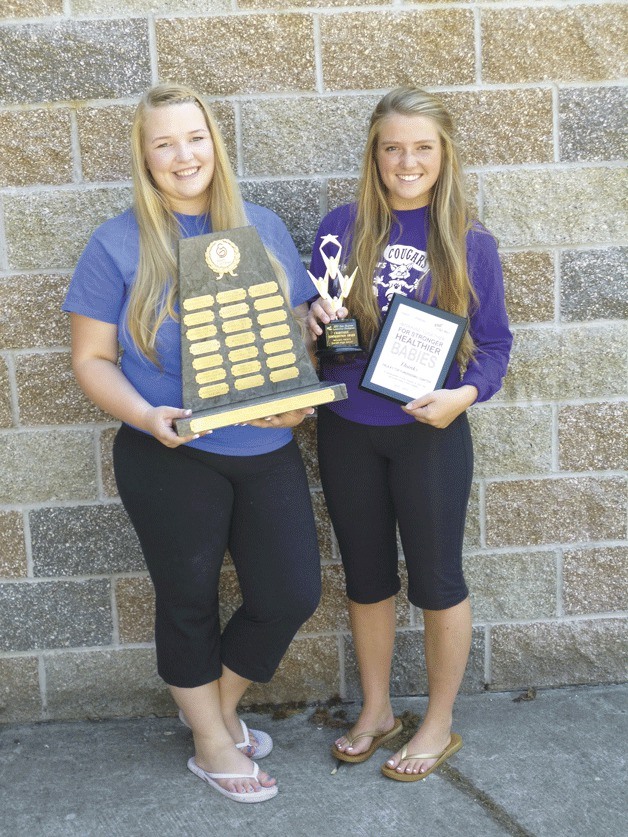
[321,311]
[95,363]
[159,422]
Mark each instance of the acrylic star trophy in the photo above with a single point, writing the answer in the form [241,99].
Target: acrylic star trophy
[242,352]
[339,336]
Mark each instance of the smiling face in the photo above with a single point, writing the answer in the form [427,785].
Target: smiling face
[408,154]
[179,154]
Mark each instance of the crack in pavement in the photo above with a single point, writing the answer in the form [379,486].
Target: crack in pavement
[497,812]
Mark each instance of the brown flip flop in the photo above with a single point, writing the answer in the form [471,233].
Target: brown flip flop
[378,740]
[455,743]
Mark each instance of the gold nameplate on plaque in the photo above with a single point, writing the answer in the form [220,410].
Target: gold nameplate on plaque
[242,353]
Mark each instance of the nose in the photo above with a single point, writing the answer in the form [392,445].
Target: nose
[184,151]
[408,159]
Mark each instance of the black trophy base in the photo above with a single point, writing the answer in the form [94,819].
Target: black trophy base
[338,338]
[256,408]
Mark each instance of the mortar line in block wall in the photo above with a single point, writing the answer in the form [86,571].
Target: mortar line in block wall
[575,325]
[561,476]
[318,58]
[235,11]
[477,36]
[112,576]
[558,5]
[480,193]
[75,146]
[392,7]
[152,50]
[556,263]
[9,359]
[28,545]
[555,123]
[567,619]
[497,404]
[540,549]
[342,679]
[98,463]
[4,255]
[76,651]
[237,117]
[115,633]
[60,504]
[487,654]
[43,690]
[370,93]
[555,441]
[68,188]
[560,604]
[482,511]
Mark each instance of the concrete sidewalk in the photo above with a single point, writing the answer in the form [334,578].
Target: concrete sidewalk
[550,766]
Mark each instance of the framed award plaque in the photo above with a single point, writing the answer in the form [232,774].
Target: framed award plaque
[414,351]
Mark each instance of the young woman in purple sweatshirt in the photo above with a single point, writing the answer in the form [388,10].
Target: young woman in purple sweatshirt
[385,464]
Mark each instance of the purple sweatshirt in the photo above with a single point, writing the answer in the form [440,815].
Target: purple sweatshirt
[404,270]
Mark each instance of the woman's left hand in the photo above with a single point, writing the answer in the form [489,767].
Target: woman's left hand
[289,419]
[441,407]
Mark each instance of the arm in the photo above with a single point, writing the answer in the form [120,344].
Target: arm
[489,321]
[94,360]
[441,407]
[491,334]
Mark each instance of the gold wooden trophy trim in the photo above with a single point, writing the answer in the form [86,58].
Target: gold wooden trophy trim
[251,412]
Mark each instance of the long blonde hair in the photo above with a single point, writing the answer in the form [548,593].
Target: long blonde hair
[155,289]
[451,287]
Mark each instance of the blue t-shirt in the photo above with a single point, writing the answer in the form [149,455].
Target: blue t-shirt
[100,289]
[404,270]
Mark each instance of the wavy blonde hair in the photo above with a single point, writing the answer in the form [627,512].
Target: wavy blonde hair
[155,289]
[451,286]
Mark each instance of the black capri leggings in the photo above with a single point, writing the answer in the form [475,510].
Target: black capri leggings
[187,507]
[413,474]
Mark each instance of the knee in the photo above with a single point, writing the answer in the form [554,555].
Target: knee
[294,606]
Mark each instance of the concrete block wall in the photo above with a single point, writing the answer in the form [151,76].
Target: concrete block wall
[538,91]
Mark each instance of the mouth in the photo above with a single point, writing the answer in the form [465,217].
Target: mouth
[409,178]
[184,173]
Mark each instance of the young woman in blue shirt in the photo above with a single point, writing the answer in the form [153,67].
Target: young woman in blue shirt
[241,488]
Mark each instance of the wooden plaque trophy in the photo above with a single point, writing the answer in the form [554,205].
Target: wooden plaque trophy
[242,351]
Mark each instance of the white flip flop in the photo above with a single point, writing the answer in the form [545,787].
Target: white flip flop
[264,744]
[254,796]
